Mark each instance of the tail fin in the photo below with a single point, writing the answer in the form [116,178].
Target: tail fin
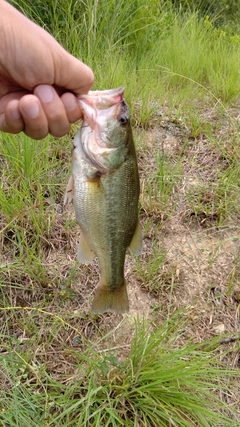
[107,300]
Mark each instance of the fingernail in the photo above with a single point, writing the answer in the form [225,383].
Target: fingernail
[70,102]
[31,109]
[45,93]
[15,113]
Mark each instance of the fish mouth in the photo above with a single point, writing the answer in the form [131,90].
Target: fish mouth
[100,107]
[101,99]
[100,110]
[110,92]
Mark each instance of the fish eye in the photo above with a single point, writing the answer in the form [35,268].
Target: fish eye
[123,119]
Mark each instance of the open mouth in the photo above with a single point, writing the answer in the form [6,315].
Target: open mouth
[102,99]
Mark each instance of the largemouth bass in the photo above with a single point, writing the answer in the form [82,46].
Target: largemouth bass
[104,187]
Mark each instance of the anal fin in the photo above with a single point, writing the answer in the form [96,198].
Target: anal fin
[85,254]
[136,243]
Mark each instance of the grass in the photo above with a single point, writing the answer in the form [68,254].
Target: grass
[61,366]
[112,36]
[154,385]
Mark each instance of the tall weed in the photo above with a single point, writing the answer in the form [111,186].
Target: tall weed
[138,42]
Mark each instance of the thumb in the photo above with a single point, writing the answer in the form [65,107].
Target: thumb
[72,74]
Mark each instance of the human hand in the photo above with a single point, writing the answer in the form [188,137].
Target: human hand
[39,80]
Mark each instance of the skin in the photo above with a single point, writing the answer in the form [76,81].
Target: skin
[39,80]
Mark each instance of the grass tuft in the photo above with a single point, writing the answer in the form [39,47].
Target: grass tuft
[155,385]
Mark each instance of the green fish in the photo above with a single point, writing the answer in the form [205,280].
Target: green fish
[104,187]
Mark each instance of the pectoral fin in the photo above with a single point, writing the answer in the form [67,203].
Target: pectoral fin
[136,243]
[85,254]
[68,198]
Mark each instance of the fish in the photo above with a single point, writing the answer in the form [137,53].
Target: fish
[104,187]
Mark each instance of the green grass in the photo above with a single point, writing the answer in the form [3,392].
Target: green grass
[61,366]
[156,385]
[144,47]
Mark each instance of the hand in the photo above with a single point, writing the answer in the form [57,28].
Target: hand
[39,80]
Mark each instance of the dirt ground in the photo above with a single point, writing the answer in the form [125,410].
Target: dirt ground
[199,271]
[189,262]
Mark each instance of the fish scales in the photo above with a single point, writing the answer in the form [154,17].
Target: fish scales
[106,210]
[105,191]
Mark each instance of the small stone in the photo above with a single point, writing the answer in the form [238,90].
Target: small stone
[219,329]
